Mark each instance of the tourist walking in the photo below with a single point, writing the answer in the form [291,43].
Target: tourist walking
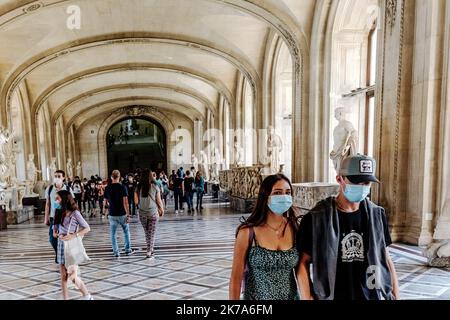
[189,188]
[68,224]
[117,197]
[265,254]
[199,189]
[148,196]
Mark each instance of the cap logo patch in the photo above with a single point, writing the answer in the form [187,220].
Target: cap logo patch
[365,166]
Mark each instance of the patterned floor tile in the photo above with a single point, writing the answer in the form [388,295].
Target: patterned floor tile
[193,261]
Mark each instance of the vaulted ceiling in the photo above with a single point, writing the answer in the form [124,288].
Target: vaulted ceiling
[178,55]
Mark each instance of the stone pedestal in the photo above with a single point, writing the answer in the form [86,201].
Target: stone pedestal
[223,196]
[243,186]
[242,205]
[20,215]
[443,262]
[32,201]
[306,195]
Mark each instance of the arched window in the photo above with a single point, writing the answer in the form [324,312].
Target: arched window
[353,63]
[282,111]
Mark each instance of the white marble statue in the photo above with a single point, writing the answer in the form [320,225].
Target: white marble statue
[194,160]
[216,163]
[4,158]
[204,165]
[238,154]
[274,149]
[69,168]
[7,160]
[31,169]
[79,170]
[31,177]
[52,169]
[345,139]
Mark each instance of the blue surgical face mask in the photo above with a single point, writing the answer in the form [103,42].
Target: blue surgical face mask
[356,192]
[279,204]
[57,205]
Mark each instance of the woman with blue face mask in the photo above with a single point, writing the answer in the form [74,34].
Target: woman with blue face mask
[69,223]
[265,254]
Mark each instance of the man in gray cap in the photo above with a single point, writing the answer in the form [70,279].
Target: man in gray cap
[345,238]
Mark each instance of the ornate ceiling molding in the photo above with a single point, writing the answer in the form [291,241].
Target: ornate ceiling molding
[234,59]
[215,83]
[141,100]
[197,96]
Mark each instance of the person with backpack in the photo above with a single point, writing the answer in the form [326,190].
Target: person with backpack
[77,188]
[50,205]
[68,224]
[148,196]
[344,240]
[199,189]
[265,252]
[178,192]
[92,197]
[189,189]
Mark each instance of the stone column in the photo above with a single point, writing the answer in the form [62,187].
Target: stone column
[198,139]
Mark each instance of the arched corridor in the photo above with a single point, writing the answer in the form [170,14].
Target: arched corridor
[233,91]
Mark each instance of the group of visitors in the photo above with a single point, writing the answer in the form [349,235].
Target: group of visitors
[337,252]
[66,222]
[184,186]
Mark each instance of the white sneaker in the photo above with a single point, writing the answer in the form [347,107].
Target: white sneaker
[176,211]
[88,297]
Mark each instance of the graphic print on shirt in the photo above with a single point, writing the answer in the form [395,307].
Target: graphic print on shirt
[352,247]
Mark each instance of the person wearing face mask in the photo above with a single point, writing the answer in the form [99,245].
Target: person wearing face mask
[130,184]
[68,224]
[84,199]
[345,238]
[50,204]
[92,197]
[265,254]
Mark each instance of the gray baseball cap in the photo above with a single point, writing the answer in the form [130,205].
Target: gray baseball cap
[359,168]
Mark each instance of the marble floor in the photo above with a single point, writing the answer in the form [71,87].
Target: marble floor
[193,261]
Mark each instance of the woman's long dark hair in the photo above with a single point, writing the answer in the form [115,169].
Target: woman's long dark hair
[261,209]
[68,205]
[145,183]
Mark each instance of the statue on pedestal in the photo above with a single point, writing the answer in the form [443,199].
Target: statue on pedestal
[238,154]
[345,139]
[195,162]
[52,168]
[79,170]
[31,169]
[69,168]
[31,176]
[7,160]
[4,158]
[216,163]
[204,165]
[274,149]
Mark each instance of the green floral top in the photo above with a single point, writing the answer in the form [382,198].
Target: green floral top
[271,273]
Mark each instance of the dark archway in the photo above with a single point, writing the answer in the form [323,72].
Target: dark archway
[136,142]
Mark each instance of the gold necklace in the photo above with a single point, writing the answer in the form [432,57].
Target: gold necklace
[276,230]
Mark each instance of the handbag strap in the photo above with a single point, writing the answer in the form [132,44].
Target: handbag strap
[251,235]
[70,223]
